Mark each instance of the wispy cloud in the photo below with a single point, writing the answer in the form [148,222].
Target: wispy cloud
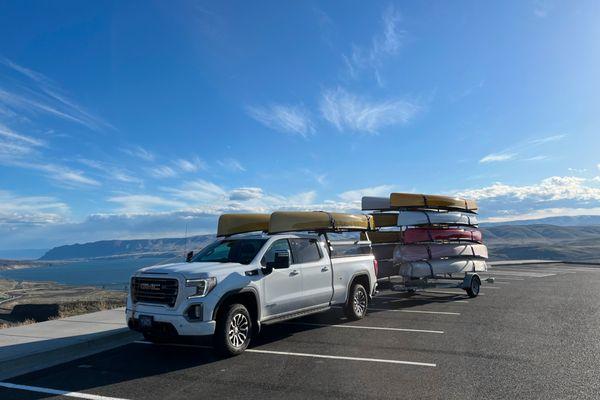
[61,174]
[231,164]
[383,45]
[348,111]
[163,171]
[513,152]
[283,118]
[138,152]
[142,203]
[192,165]
[111,171]
[542,8]
[495,157]
[357,194]
[39,94]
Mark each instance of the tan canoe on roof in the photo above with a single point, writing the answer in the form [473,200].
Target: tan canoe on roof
[230,224]
[294,221]
[410,200]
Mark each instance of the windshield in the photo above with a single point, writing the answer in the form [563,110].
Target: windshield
[240,251]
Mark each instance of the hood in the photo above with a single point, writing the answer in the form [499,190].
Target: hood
[197,269]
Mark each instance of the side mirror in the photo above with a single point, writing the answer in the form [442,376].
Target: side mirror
[189,256]
[281,261]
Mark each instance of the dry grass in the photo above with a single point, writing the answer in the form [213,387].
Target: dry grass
[8,324]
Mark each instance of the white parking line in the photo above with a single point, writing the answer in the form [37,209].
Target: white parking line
[449,292]
[522,274]
[377,328]
[415,311]
[287,353]
[418,299]
[490,287]
[57,392]
[377,360]
[504,278]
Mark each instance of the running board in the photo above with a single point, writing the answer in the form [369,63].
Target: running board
[295,315]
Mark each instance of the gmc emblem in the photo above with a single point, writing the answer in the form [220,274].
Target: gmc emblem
[150,286]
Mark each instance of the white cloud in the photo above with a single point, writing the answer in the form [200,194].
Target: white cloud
[347,111]
[111,171]
[513,152]
[18,210]
[138,152]
[385,44]
[283,118]
[9,134]
[549,189]
[193,165]
[356,195]
[60,174]
[39,94]
[163,171]
[246,193]
[495,157]
[231,164]
[140,203]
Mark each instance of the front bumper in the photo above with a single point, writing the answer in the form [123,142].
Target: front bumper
[163,323]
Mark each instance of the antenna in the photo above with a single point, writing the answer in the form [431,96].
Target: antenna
[186,238]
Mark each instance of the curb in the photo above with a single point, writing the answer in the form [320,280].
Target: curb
[61,354]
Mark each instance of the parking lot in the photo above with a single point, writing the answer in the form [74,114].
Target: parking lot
[533,334]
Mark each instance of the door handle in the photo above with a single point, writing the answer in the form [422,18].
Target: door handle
[294,272]
[325,269]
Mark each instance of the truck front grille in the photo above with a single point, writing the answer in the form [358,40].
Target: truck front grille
[154,290]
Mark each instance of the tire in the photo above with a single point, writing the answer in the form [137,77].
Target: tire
[233,331]
[357,303]
[473,289]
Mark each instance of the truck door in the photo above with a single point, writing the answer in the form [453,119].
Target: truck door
[282,287]
[316,271]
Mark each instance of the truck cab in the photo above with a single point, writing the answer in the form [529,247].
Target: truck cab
[238,283]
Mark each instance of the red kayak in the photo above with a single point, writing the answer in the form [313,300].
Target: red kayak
[416,235]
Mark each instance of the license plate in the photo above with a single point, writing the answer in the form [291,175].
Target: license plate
[146,321]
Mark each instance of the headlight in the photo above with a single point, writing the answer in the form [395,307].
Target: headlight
[203,286]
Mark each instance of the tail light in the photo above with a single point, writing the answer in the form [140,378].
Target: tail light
[376,266]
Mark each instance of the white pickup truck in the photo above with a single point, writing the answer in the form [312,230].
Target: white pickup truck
[243,281]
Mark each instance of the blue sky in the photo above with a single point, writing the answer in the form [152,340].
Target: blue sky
[133,119]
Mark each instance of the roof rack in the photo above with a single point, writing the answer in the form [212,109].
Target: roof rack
[318,221]
[231,224]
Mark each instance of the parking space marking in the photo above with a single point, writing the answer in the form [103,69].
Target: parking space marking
[376,360]
[449,292]
[436,301]
[504,278]
[412,298]
[377,328]
[287,353]
[490,287]
[65,393]
[415,311]
[518,273]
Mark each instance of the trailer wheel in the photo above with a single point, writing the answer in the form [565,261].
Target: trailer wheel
[358,300]
[473,289]
[233,331]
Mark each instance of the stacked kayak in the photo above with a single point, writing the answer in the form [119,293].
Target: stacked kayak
[421,236]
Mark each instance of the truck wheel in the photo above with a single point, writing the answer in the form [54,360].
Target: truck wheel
[233,330]
[473,289]
[356,306]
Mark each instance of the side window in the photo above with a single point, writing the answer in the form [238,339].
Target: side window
[305,250]
[278,245]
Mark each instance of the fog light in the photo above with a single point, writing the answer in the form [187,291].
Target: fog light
[194,312]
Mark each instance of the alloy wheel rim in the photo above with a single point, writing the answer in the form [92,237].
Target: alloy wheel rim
[238,330]
[359,302]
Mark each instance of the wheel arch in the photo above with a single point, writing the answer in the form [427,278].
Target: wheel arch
[361,277]
[247,296]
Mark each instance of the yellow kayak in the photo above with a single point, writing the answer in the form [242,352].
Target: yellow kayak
[412,200]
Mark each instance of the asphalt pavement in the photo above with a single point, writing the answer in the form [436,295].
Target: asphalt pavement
[533,334]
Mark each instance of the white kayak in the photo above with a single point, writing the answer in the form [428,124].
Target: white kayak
[415,218]
[424,269]
[416,252]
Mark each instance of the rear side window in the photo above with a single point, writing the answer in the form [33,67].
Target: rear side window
[305,250]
